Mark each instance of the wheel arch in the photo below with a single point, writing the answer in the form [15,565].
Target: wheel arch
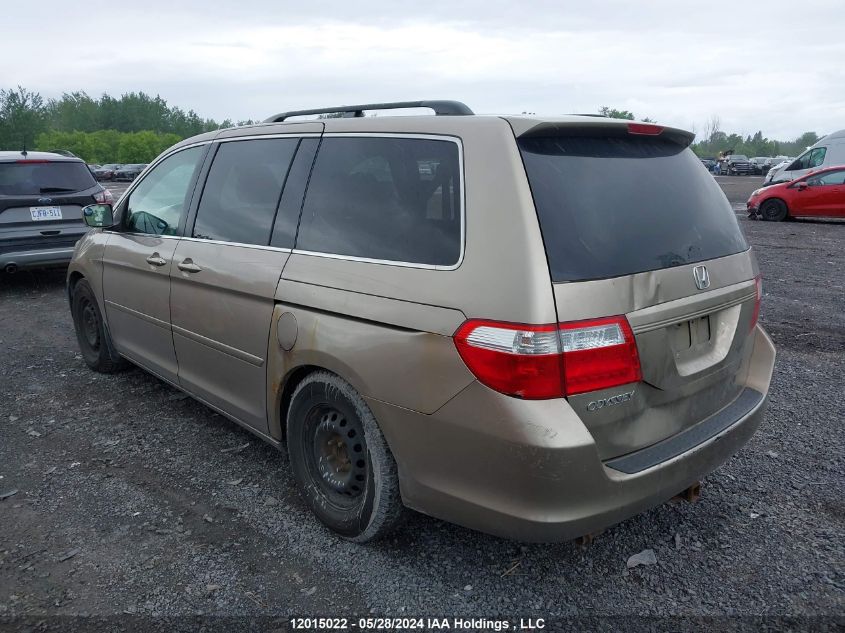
[288,385]
[73,278]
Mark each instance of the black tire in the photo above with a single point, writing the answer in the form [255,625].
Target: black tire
[774,210]
[340,460]
[95,344]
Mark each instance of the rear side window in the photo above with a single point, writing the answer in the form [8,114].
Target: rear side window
[617,206]
[35,178]
[394,199]
[242,190]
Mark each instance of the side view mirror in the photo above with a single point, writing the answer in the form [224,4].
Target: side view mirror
[802,185]
[98,215]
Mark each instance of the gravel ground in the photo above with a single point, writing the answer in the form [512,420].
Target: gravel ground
[134,499]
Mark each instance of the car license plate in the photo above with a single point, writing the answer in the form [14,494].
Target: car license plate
[45,213]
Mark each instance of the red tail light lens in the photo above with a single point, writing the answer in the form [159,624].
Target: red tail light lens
[104,197]
[517,360]
[598,354]
[644,128]
[550,361]
[758,299]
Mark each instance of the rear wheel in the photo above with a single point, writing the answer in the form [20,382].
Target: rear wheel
[95,344]
[773,210]
[341,461]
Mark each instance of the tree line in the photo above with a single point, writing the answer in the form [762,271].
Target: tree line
[136,127]
[133,128]
[715,141]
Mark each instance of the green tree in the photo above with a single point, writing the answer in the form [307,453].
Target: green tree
[613,113]
[74,111]
[23,116]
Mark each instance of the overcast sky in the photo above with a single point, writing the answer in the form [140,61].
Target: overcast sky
[776,66]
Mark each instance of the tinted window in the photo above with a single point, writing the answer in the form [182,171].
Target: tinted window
[287,217]
[395,199]
[617,206]
[242,190]
[32,179]
[157,204]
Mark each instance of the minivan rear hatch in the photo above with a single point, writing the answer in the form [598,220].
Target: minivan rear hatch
[635,226]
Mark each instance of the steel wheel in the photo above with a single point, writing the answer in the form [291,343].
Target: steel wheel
[337,461]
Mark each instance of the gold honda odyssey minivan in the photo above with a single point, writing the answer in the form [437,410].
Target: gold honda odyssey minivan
[534,327]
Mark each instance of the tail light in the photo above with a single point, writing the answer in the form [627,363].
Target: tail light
[598,354]
[644,128]
[104,197]
[550,361]
[758,299]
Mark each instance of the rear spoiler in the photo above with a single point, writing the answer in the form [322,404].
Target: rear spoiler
[526,128]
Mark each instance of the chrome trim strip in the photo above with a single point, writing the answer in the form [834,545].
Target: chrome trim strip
[140,315]
[713,306]
[241,244]
[218,346]
[366,260]
[150,235]
[693,315]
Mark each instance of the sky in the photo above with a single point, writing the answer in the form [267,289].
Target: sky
[773,65]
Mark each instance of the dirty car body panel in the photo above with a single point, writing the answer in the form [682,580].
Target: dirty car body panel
[396,306]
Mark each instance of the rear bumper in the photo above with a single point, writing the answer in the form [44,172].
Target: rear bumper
[36,258]
[530,470]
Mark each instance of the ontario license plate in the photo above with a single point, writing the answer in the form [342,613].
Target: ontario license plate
[45,213]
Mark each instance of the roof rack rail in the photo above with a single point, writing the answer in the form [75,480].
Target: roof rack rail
[440,108]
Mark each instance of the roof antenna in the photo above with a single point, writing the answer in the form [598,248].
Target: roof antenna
[23,152]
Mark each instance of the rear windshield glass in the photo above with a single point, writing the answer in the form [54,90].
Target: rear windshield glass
[617,206]
[30,179]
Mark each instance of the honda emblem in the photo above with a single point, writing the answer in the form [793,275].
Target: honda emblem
[702,277]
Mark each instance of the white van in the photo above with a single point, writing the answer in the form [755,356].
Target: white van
[827,152]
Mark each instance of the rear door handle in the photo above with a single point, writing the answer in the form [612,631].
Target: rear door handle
[156,260]
[187,265]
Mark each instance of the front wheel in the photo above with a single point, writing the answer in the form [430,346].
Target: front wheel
[95,344]
[773,210]
[341,461]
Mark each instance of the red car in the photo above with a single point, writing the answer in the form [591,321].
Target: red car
[820,193]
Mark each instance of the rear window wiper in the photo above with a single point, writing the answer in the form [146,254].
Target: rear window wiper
[55,189]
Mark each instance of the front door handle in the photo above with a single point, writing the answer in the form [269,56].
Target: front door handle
[187,265]
[156,260]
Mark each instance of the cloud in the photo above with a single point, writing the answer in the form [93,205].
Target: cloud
[778,70]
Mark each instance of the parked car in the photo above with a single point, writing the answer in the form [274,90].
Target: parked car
[107,172]
[129,172]
[736,165]
[818,194]
[467,340]
[710,164]
[827,152]
[760,165]
[41,199]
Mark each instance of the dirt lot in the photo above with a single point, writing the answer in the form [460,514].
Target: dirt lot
[133,500]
